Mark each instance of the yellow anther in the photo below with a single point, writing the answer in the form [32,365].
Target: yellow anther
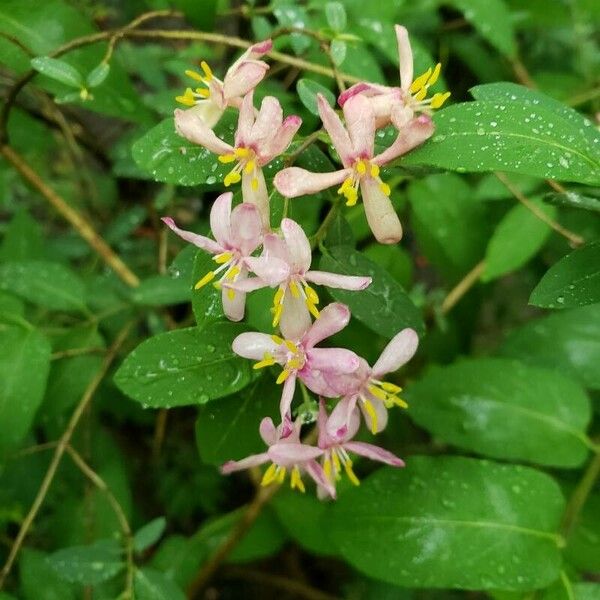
[217,285]
[283,376]
[294,363]
[351,196]
[294,289]
[231,177]
[267,361]
[345,185]
[361,167]
[203,92]
[230,293]
[249,166]
[296,480]
[207,70]
[336,463]
[311,294]
[281,476]
[278,297]
[351,475]
[207,278]
[242,152]
[314,311]
[187,98]
[437,100]
[233,272]
[390,387]
[195,76]
[435,75]
[327,468]
[371,412]
[291,346]
[420,81]
[385,188]
[277,310]
[223,257]
[377,392]
[374,171]
[277,339]
[420,95]
[227,158]
[254,183]
[270,475]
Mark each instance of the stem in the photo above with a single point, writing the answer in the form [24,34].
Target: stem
[320,234]
[76,352]
[462,287]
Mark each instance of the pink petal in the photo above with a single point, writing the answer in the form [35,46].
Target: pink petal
[268,431]
[295,318]
[246,228]
[360,121]
[243,78]
[324,440]
[336,130]
[220,219]
[245,121]
[411,136]
[298,245]
[332,360]
[348,384]
[287,395]
[254,345]
[259,196]
[194,238]
[234,308]
[400,115]
[316,381]
[405,57]
[334,317]
[246,463]
[334,280]
[341,417]
[374,453]
[315,470]
[275,247]
[279,142]
[294,181]
[272,271]
[190,126]
[352,91]
[289,454]
[261,48]
[380,213]
[209,111]
[248,284]
[269,120]
[399,351]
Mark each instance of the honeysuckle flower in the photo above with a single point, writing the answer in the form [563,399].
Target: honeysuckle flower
[294,298]
[237,234]
[336,448]
[355,146]
[365,387]
[286,453]
[258,140]
[299,357]
[400,104]
[210,101]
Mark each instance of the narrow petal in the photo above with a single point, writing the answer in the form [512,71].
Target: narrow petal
[243,78]
[268,431]
[338,423]
[245,121]
[298,245]
[251,54]
[334,280]
[246,228]
[333,360]
[374,453]
[249,284]
[336,130]
[190,126]
[209,111]
[254,191]
[334,317]
[411,136]
[278,143]
[239,465]
[325,440]
[405,57]
[399,351]
[360,121]
[400,115]
[269,120]
[358,88]
[295,181]
[254,345]
[272,271]
[295,318]
[380,213]
[315,470]
[288,454]
[194,238]
[287,395]
[220,219]
[234,307]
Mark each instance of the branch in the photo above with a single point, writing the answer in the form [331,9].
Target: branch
[462,287]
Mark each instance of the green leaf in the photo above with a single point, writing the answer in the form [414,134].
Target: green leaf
[338,51]
[206,302]
[519,236]
[24,365]
[384,306]
[38,579]
[59,70]
[572,281]
[307,92]
[22,239]
[149,534]
[228,430]
[512,136]
[574,200]
[88,565]
[503,409]
[583,548]
[162,290]
[452,522]
[47,284]
[335,13]
[154,585]
[185,366]
[98,75]
[492,19]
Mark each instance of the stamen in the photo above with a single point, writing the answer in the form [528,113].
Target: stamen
[437,100]
[294,289]
[351,475]
[249,167]
[222,258]
[390,387]
[231,177]
[233,272]
[207,70]
[227,158]
[385,188]
[187,99]
[377,392]
[420,95]
[277,310]
[327,467]
[374,170]
[311,294]
[277,339]
[281,476]
[371,412]
[267,361]
[420,81]
[206,279]
[203,92]
[296,480]
[435,75]
[336,463]
[270,475]
[314,311]
[242,152]
[194,75]
[291,346]
[254,183]
[231,293]
[361,167]
[283,376]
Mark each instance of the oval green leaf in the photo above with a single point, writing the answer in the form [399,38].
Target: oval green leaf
[307,92]
[58,70]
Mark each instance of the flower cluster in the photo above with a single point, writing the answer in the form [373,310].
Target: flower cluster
[250,255]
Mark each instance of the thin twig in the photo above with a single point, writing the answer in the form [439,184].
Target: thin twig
[462,287]
[522,74]
[320,234]
[61,446]
[76,352]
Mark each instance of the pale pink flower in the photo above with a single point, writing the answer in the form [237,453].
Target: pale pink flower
[210,101]
[355,146]
[365,386]
[299,357]
[336,448]
[291,258]
[285,452]
[237,234]
[257,142]
[400,104]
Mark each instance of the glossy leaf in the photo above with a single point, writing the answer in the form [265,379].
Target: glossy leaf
[307,92]
[185,366]
[583,548]
[503,409]
[384,306]
[206,302]
[98,75]
[39,580]
[59,70]
[435,523]
[572,281]
[335,14]
[149,534]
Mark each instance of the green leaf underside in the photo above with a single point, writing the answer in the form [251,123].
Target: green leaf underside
[185,367]
[503,409]
[572,281]
[452,522]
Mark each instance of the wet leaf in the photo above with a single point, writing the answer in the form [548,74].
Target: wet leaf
[154,585]
[307,92]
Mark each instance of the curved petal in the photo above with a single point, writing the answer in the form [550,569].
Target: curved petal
[190,126]
[275,247]
[251,54]
[269,120]
[268,431]
[254,191]
[334,280]
[209,111]
[254,345]
[239,465]
[334,317]
[338,423]
[298,245]
[316,381]
[324,440]
[405,57]
[399,351]
[233,307]
[272,271]
[249,284]
[409,137]
[198,240]
[244,77]
[279,142]
[400,115]
[246,228]
[295,181]
[220,219]
[336,130]
[295,318]
[289,454]
[315,470]
[360,121]
[287,395]
[380,213]
[370,90]
[243,134]
[374,453]
[333,360]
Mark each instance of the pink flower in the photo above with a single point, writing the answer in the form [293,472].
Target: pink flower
[399,104]
[209,102]
[285,452]
[257,142]
[355,146]
[300,358]
[336,448]
[237,234]
[291,257]
[366,387]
